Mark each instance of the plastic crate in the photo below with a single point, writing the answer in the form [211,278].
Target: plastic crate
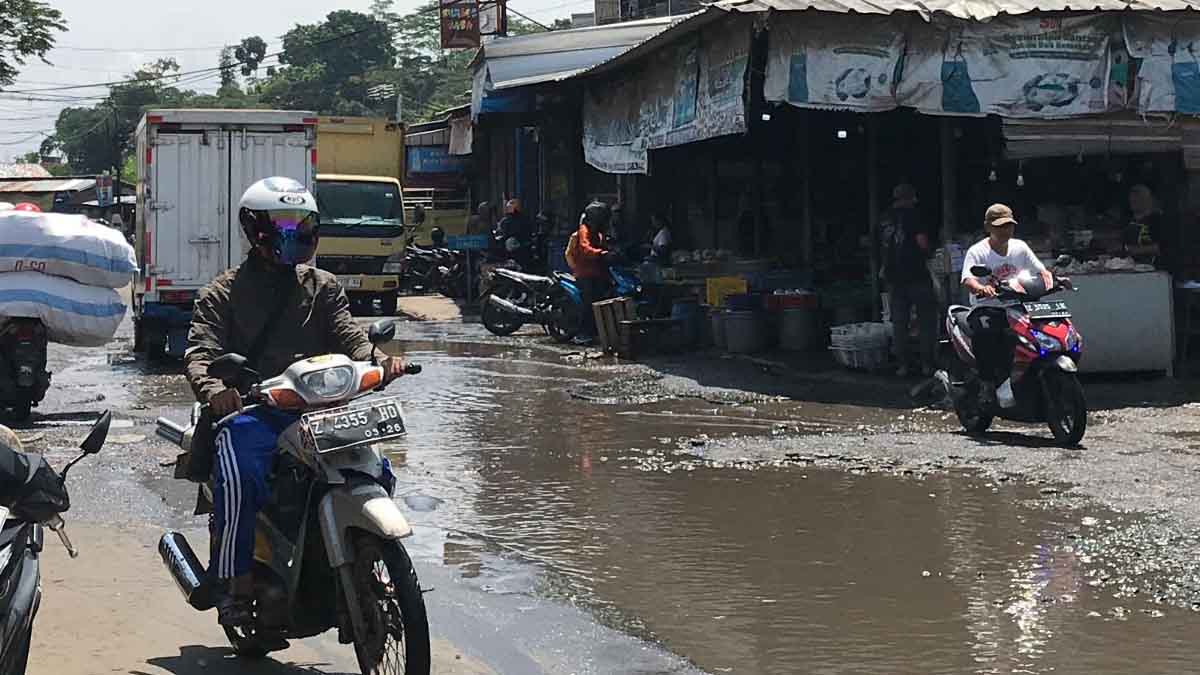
[869,358]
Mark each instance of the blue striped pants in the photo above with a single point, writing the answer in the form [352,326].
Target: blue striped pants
[245,456]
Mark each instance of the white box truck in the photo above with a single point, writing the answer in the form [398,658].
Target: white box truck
[193,166]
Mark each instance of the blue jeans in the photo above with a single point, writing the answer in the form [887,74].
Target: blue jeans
[245,456]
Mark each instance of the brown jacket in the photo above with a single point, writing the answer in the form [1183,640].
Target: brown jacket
[232,310]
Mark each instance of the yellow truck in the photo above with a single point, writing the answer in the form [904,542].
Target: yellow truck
[359,164]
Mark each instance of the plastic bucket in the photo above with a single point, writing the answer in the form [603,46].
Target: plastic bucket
[689,314]
[718,328]
[799,330]
[745,332]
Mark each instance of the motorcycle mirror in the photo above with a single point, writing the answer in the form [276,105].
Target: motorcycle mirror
[981,271]
[231,369]
[382,332]
[99,433]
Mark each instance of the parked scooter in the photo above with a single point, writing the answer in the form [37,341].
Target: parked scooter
[1044,382]
[21,542]
[23,376]
[330,552]
[512,299]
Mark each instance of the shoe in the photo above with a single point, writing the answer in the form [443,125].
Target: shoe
[233,611]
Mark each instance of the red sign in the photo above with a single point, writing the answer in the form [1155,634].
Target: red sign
[460,24]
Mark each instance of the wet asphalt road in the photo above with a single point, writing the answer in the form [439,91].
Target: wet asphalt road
[579,516]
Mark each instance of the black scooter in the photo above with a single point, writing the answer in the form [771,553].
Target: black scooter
[23,376]
[21,542]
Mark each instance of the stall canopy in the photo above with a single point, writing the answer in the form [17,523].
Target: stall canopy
[975,10]
[510,63]
[694,90]
[1033,139]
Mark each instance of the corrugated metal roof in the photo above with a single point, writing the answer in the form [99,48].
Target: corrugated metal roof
[978,10]
[23,171]
[53,185]
[557,55]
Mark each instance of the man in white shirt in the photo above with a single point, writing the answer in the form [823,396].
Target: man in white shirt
[1006,257]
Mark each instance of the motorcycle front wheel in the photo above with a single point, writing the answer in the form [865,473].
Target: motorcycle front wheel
[1066,407]
[397,629]
[970,415]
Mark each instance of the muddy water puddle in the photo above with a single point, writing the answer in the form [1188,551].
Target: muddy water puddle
[523,488]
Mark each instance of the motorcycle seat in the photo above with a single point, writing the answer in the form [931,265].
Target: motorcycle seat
[960,314]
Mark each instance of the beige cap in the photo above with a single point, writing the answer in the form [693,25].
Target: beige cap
[999,215]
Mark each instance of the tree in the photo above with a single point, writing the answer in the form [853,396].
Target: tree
[27,29]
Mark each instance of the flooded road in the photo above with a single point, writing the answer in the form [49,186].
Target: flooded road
[523,487]
[710,525]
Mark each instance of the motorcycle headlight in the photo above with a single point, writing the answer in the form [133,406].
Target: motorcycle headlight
[330,382]
[1047,342]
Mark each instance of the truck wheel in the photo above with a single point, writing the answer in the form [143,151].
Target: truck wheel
[154,340]
[387,303]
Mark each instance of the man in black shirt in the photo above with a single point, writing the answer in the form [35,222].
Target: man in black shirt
[906,245]
[1144,236]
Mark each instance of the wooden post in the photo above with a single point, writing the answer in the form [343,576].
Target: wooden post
[949,202]
[806,203]
[949,179]
[873,207]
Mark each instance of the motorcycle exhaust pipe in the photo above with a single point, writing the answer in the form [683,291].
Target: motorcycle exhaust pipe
[187,571]
[509,306]
[170,431]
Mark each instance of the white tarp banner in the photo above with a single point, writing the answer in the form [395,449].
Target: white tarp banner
[834,61]
[1168,79]
[1017,67]
[689,92]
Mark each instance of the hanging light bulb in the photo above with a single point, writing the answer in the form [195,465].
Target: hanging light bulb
[992,177]
[1021,174]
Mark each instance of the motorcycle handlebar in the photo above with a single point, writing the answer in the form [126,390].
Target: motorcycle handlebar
[57,525]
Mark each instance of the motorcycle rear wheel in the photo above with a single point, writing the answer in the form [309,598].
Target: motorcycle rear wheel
[1066,407]
[567,320]
[397,639]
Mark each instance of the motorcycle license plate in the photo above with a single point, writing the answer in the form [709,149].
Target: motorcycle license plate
[1048,310]
[356,424]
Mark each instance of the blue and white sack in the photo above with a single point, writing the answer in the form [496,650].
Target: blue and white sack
[63,245]
[74,314]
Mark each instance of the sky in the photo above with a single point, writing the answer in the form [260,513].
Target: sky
[106,41]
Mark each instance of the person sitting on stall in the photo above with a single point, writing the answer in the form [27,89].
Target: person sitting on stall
[1006,257]
[906,250]
[1143,237]
[592,258]
[660,245]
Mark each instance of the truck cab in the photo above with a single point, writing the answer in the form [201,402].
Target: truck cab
[362,228]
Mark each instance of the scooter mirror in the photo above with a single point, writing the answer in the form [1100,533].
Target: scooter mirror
[95,439]
[230,369]
[981,271]
[382,332]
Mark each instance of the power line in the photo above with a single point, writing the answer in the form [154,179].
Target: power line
[111,50]
[217,69]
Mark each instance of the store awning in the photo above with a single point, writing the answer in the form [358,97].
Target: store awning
[1034,139]
[509,63]
[978,10]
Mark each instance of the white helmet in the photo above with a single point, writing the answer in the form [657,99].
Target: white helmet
[281,214]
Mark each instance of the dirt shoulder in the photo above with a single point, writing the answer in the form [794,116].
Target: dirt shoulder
[114,610]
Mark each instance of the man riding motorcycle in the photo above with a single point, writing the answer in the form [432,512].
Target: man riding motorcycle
[273,310]
[1006,257]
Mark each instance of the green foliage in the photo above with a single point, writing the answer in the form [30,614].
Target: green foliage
[27,29]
